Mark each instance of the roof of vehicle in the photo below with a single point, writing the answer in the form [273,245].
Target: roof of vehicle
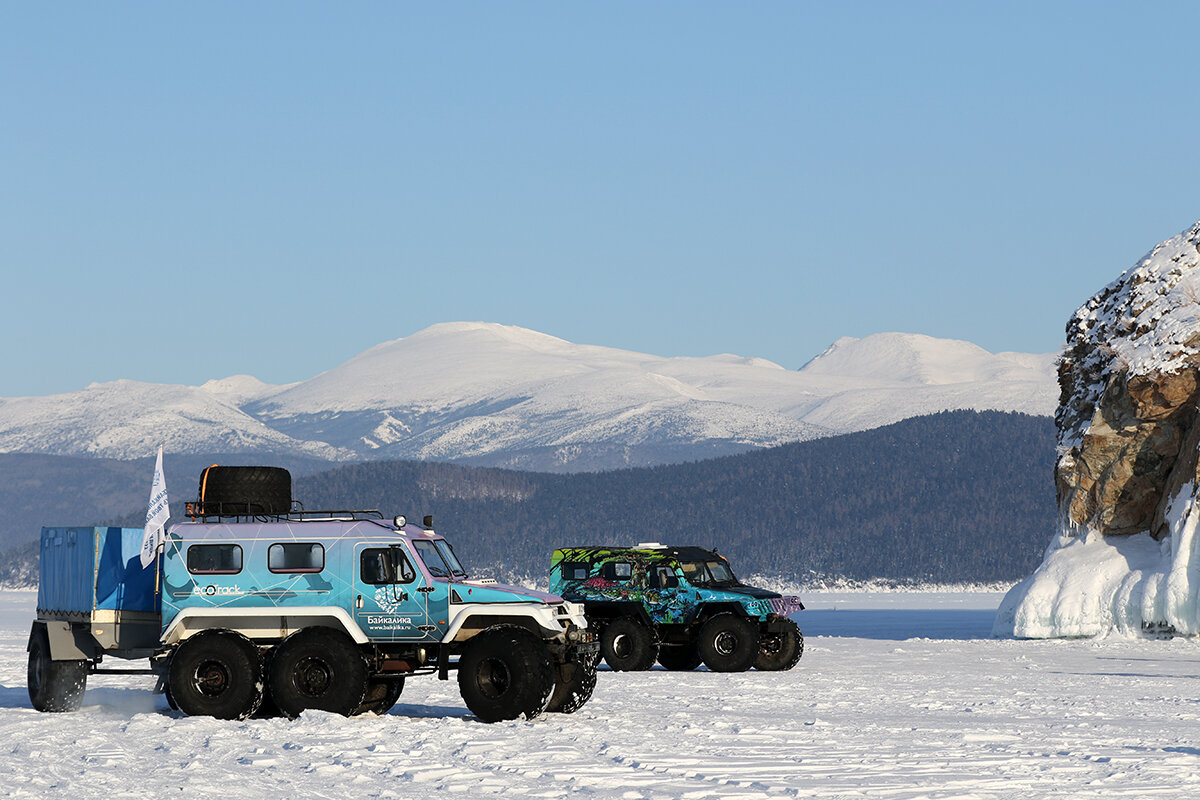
[298,530]
[657,552]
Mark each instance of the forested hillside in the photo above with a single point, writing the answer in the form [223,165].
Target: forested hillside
[956,496]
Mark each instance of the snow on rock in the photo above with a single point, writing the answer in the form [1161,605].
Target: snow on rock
[1125,558]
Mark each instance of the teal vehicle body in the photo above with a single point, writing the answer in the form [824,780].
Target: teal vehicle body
[654,601]
[380,583]
[287,610]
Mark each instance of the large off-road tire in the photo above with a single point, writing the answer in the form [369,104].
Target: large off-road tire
[728,643]
[216,673]
[679,657]
[245,491]
[779,651]
[318,668]
[382,694]
[574,687]
[627,644]
[53,685]
[504,673]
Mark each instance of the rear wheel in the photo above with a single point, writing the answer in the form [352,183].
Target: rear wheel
[628,645]
[216,674]
[728,643]
[53,685]
[505,673]
[780,651]
[318,668]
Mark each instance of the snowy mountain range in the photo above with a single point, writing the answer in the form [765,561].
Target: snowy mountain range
[501,395]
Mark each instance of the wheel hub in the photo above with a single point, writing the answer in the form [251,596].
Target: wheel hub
[725,643]
[211,678]
[313,677]
[622,645]
[494,677]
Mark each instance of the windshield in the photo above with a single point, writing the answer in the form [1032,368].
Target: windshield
[439,558]
[447,553]
[708,573]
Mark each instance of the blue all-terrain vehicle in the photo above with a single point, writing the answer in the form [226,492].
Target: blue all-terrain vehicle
[258,607]
[681,606]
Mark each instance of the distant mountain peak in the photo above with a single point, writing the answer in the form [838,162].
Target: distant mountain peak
[914,358]
[513,334]
[239,389]
[498,394]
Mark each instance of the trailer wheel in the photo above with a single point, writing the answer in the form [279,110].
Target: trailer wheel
[318,668]
[53,685]
[780,651]
[728,643]
[382,694]
[628,645]
[679,657]
[216,673]
[505,673]
[576,681]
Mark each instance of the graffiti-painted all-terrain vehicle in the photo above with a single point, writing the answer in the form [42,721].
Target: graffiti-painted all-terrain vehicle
[679,605]
[257,607]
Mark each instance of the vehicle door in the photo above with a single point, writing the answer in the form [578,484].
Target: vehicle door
[391,594]
[438,560]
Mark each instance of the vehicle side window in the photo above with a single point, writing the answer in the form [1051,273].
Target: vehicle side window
[214,559]
[573,571]
[617,571]
[380,565]
[663,578]
[296,557]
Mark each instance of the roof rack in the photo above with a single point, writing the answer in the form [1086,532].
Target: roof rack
[242,511]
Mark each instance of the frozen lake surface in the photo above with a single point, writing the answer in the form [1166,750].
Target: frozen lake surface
[898,695]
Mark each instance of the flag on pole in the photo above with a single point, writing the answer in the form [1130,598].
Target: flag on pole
[156,516]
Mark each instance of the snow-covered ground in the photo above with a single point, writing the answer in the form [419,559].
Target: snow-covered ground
[899,695]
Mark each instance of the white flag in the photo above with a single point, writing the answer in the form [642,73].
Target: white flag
[156,515]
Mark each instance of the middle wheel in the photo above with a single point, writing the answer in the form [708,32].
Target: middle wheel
[681,657]
[628,645]
[318,668]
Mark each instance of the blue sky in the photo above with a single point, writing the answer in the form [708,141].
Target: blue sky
[190,191]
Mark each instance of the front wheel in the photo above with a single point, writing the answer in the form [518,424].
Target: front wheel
[780,651]
[505,673]
[574,687]
[728,643]
[53,685]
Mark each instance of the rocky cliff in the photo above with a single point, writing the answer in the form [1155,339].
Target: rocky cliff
[1126,474]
